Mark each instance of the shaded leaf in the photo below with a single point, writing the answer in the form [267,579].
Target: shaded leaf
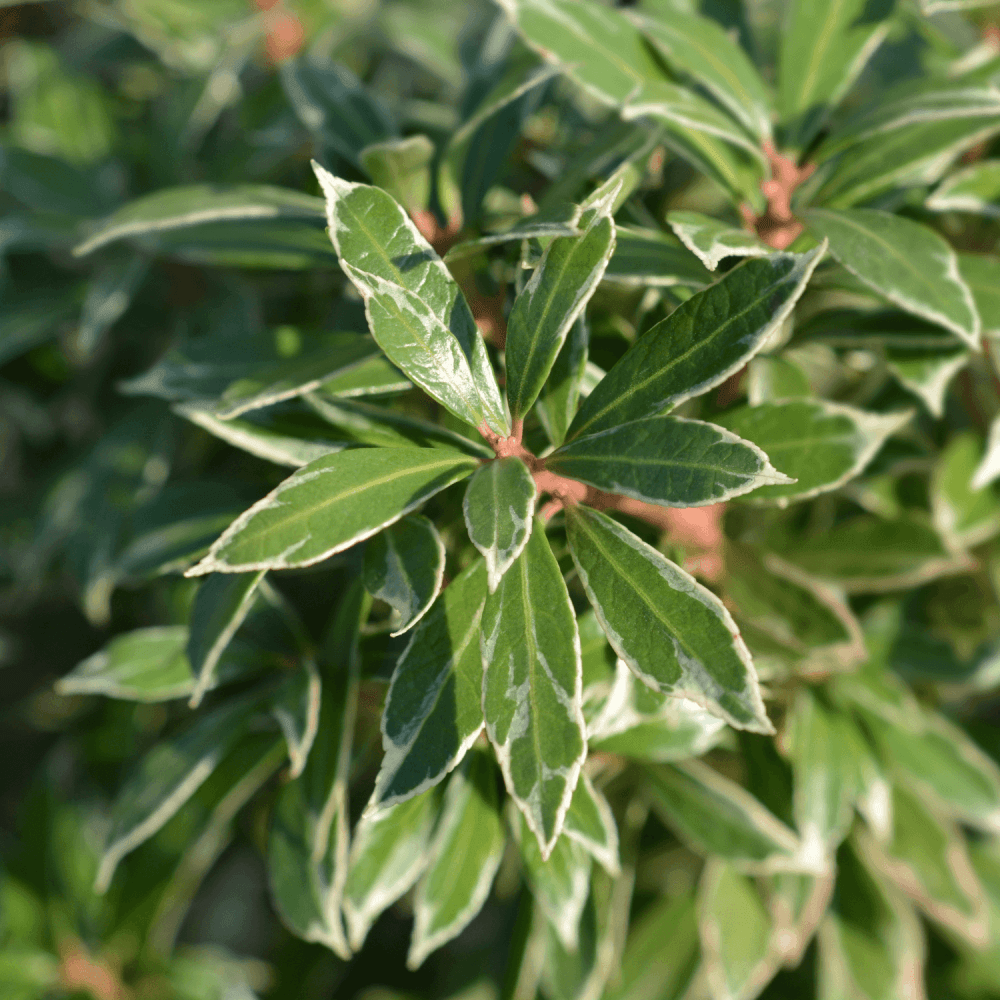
[296,709]
[975,189]
[647,258]
[712,241]
[590,822]
[403,168]
[964,516]
[556,406]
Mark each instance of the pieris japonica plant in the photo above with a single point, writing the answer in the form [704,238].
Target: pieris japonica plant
[562,503]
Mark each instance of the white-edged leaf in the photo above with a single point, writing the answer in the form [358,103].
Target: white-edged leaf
[332,504]
[673,633]
[433,710]
[532,688]
[974,189]
[591,823]
[296,709]
[404,566]
[988,470]
[499,508]
[926,373]
[648,258]
[981,272]
[712,241]
[965,516]
[909,264]
[464,856]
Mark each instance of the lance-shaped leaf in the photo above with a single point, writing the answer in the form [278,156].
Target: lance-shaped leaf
[647,258]
[981,272]
[332,504]
[464,856]
[220,607]
[309,841]
[591,823]
[290,442]
[182,207]
[824,48]
[714,815]
[374,376]
[797,904]
[823,770]
[558,883]
[927,859]
[404,566]
[988,470]
[555,295]
[433,710]
[388,855]
[965,516]
[700,344]
[415,308]
[672,632]
[871,944]
[702,49]
[556,406]
[671,461]
[975,189]
[909,264]
[737,934]
[926,372]
[712,241]
[166,778]
[821,445]
[499,507]
[148,664]
[403,168]
[532,688]
[637,722]
[296,709]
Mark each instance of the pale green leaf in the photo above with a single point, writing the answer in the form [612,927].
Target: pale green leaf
[464,856]
[666,460]
[974,189]
[771,377]
[988,470]
[738,945]
[433,710]
[797,904]
[532,688]
[590,822]
[403,168]
[388,854]
[965,516]
[332,504]
[981,272]
[499,508]
[715,816]
[404,566]
[927,373]
[415,308]
[673,632]
[553,299]
[182,207]
[647,258]
[375,376]
[712,241]
[819,444]
[220,607]
[700,344]
[909,264]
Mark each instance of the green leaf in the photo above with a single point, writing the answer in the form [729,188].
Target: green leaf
[712,241]
[109,296]
[797,904]
[309,841]
[964,516]
[403,168]
[166,778]
[981,273]
[499,508]
[738,945]
[559,883]
[404,566]
[464,856]
[927,859]
[700,48]
[433,710]
[666,460]
[642,724]
[556,406]
[988,470]
[388,855]
[822,445]
[700,344]
[824,47]
[906,262]
[296,709]
[375,376]
[772,377]
[927,373]
[294,441]
[672,632]
[714,815]
[974,189]
[220,607]
[555,295]
[332,504]
[532,688]
[590,822]
[647,258]
[416,311]
[177,208]
[148,664]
